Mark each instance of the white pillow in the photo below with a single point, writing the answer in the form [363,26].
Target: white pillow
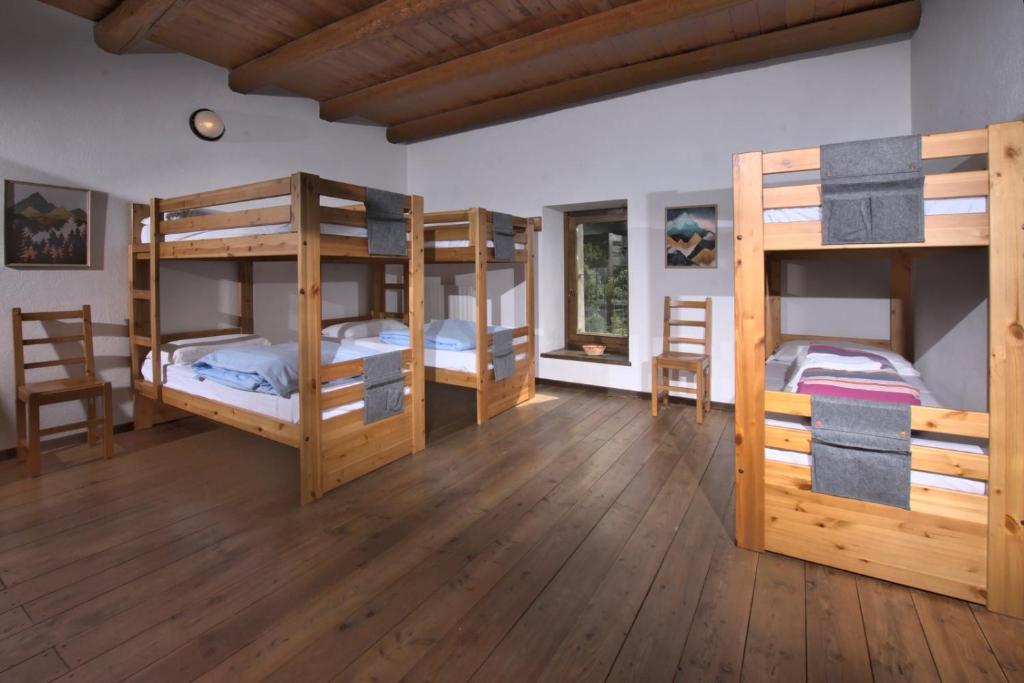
[361,329]
[790,350]
[188,351]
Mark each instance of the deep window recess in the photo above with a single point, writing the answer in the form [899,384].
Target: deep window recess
[597,280]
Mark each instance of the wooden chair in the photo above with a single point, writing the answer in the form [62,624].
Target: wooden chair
[32,396]
[697,363]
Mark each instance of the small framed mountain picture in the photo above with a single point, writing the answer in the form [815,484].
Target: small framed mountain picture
[691,236]
[46,226]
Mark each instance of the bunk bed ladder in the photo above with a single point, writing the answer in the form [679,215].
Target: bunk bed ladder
[143,296]
[381,287]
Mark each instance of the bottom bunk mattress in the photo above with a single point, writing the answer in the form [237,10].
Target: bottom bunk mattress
[183,378]
[458,361]
[775,380]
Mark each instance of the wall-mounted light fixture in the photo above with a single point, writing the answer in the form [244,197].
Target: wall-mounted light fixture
[206,124]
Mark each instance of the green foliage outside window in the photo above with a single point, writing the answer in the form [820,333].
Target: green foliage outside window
[606,283]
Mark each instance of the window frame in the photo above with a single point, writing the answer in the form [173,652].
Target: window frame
[573,339]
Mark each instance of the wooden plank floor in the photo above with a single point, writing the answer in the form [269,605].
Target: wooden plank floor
[572,538]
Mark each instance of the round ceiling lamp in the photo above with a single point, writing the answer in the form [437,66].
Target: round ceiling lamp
[206,124]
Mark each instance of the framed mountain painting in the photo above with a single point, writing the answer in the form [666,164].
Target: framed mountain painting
[691,236]
[46,226]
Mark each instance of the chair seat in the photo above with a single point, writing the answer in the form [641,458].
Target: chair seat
[678,359]
[60,390]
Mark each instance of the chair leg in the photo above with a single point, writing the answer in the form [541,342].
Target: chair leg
[707,389]
[654,387]
[108,422]
[90,416]
[20,416]
[670,375]
[35,467]
[699,376]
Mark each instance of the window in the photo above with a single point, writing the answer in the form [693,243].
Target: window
[597,280]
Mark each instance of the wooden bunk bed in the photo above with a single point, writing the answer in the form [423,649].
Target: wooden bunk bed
[332,450]
[967,545]
[466,237]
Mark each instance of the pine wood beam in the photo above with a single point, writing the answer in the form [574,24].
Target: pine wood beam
[748,256]
[373,21]
[377,102]
[459,116]
[131,22]
[1006,370]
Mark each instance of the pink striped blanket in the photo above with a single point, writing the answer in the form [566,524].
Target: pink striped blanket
[882,384]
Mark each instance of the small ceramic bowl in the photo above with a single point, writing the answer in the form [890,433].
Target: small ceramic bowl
[594,349]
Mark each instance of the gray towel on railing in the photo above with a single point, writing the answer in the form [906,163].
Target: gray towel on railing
[504,236]
[383,386]
[861,450]
[385,223]
[504,355]
[872,191]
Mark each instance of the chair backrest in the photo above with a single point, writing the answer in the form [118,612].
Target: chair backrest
[19,318]
[669,336]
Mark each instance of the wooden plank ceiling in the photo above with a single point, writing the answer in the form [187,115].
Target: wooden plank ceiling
[426,68]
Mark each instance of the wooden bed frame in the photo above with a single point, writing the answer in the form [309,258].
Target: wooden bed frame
[475,225]
[960,544]
[332,451]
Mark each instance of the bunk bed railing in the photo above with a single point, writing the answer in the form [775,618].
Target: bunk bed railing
[353,215]
[957,229]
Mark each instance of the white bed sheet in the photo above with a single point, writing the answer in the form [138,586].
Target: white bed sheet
[938,481]
[931,207]
[775,373]
[456,244]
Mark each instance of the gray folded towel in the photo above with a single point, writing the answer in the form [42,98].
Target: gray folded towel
[383,386]
[861,450]
[503,353]
[504,236]
[872,191]
[385,223]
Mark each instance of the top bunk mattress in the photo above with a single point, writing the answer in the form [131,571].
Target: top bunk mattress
[280,228]
[277,229]
[931,207]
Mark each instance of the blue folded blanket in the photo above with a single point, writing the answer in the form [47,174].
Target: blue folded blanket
[447,335]
[267,369]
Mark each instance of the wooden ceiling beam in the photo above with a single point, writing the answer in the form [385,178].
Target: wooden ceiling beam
[371,102]
[867,25]
[375,20]
[131,22]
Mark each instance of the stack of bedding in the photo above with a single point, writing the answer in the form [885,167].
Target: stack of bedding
[861,372]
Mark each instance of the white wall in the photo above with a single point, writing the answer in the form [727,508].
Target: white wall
[73,115]
[967,67]
[663,147]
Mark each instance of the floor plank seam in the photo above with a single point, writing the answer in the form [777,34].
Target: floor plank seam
[570,555]
[476,472]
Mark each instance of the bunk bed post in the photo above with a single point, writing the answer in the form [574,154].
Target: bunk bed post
[478,238]
[773,314]
[531,303]
[415,312]
[750,350]
[377,276]
[305,198]
[246,316]
[1006,369]
[901,310]
[155,215]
